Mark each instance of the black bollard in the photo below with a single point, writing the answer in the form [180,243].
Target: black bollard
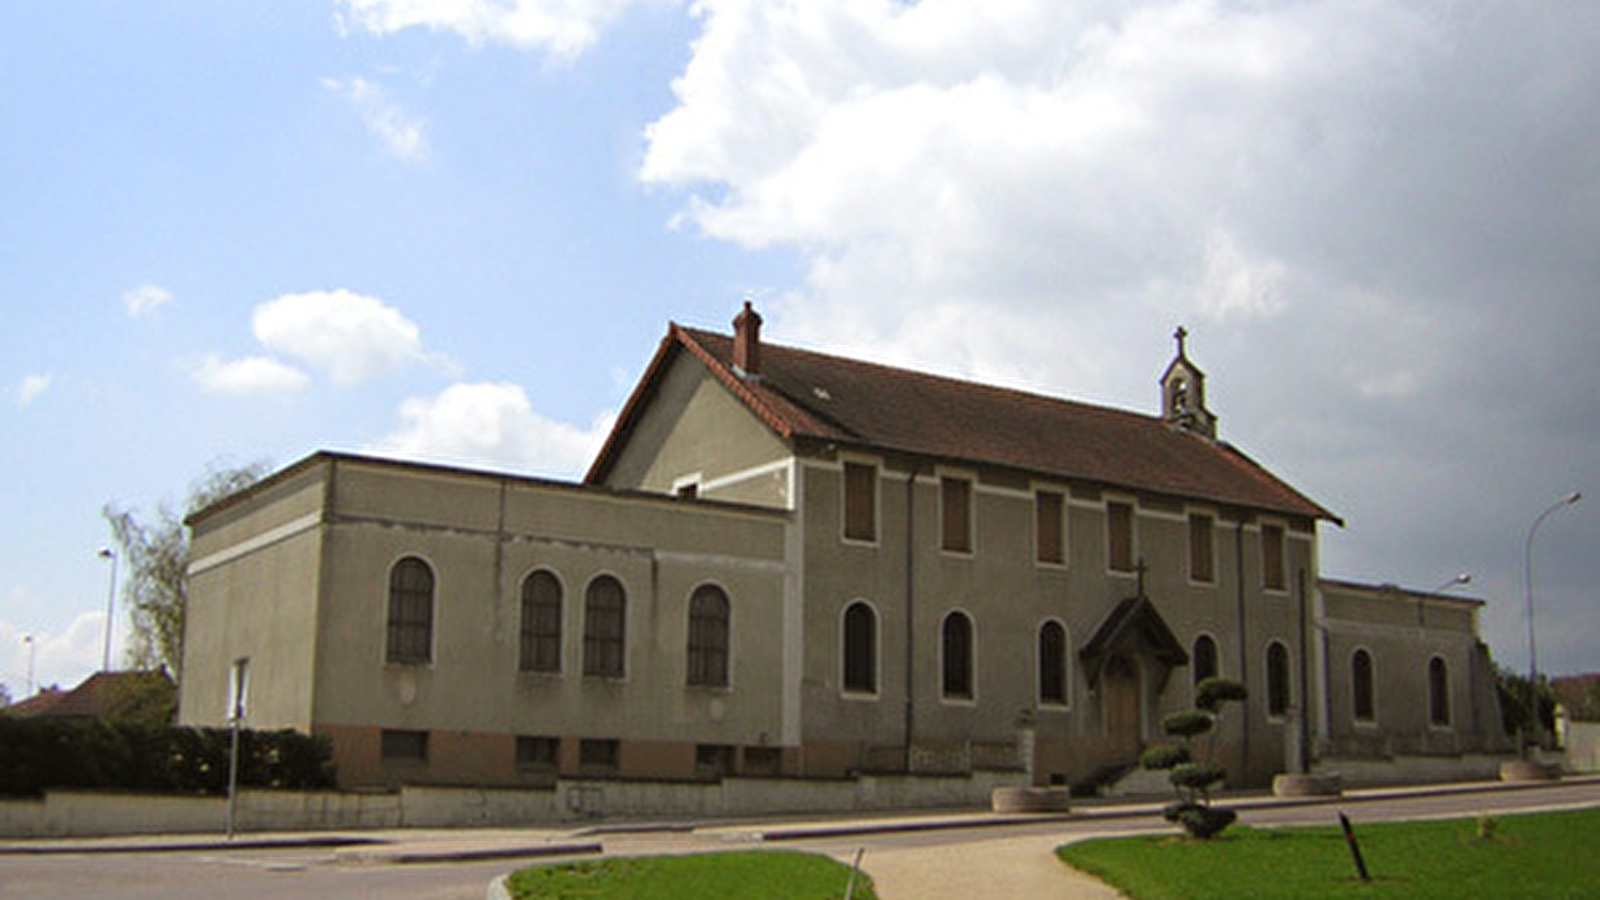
[1355,848]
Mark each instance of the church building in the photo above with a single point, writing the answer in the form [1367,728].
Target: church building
[793,564]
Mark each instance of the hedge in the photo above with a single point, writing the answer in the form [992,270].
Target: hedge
[39,754]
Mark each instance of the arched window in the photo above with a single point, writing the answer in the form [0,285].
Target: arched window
[708,636]
[1277,679]
[1052,664]
[410,613]
[1362,701]
[860,649]
[1205,658]
[957,644]
[605,608]
[1438,692]
[541,623]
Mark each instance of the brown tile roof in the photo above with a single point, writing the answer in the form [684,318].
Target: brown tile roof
[103,694]
[806,395]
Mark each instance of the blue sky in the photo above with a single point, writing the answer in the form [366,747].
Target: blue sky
[456,231]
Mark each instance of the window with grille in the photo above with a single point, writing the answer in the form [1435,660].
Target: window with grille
[410,637]
[604,628]
[708,637]
[541,623]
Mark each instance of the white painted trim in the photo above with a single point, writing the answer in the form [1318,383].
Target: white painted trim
[264,539]
[722,481]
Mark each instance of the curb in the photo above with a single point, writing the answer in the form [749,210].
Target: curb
[413,857]
[289,843]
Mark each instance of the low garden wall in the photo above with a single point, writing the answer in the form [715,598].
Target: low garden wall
[75,813]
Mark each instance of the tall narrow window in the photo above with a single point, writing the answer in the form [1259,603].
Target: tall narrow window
[1272,568]
[1438,692]
[956,505]
[1049,527]
[860,649]
[1361,687]
[1119,537]
[410,613]
[708,637]
[1277,680]
[1205,658]
[957,644]
[605,610]
[541,623]
[860,501]
[1052,664]
[1202,562]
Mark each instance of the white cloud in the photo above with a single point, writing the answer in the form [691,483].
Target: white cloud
[58,659]
[248,376]
[32,388]
[493,424]
[145,300]
[562,28]
[401,133]
[348,336]
[1377,216]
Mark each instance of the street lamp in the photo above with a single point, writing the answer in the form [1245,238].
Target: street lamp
[1463,578]
[111,604]
[28,639]
[1527,576]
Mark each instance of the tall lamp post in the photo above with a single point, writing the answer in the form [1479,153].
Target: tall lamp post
[111,604]
[28,639]
[1463,578]
[1527,576]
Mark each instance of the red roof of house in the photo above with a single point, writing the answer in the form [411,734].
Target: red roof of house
[101,694]
[801,395]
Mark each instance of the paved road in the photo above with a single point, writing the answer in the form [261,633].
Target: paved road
[306,873]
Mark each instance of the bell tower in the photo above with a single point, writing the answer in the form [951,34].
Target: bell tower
[1183,393]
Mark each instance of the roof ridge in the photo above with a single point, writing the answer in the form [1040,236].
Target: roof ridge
[946,379]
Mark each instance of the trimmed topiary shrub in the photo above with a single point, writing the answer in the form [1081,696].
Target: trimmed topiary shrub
[1193,780]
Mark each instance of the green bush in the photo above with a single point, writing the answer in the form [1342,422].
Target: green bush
[39,754]
[1194,780]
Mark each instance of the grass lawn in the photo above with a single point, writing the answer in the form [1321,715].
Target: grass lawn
[767,874]
[1548,856]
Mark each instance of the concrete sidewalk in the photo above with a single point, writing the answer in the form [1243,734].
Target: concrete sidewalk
[978,868]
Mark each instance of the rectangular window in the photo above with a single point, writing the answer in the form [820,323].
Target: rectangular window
[598,756]
[1119,536]
[538,753]
[404,746]
[956,494]
[1049,527]
[1272,568]
[860,501]
[762,761]
[713,760]
[1202,561]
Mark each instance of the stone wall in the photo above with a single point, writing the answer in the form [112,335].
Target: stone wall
[92,814]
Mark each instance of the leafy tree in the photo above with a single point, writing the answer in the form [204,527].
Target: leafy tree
[1515,709]
[155,557]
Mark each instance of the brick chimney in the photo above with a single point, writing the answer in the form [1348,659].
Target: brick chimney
[747,342]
